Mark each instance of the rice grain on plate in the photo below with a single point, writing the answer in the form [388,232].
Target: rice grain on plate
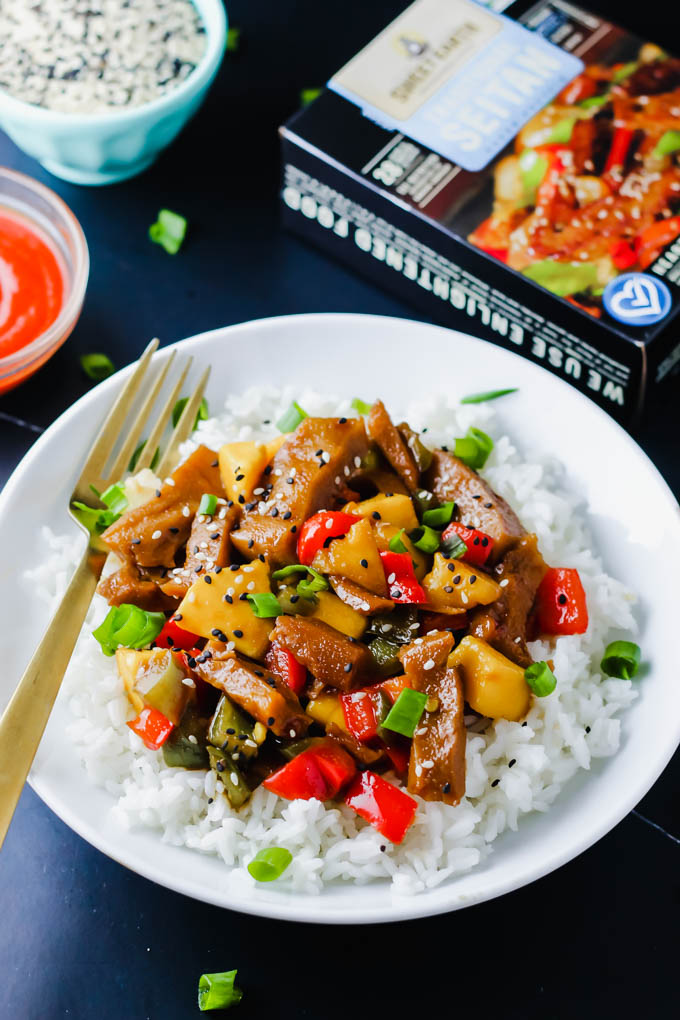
[90,56]
[512,768]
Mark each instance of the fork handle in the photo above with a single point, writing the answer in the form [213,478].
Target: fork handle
[24,720]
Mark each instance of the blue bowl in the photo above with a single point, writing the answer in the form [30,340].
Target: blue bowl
[101,148]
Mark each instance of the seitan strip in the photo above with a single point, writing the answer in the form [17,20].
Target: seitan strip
[330,656]
[384,434]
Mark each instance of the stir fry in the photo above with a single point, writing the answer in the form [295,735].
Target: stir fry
[593,187]
[320,611]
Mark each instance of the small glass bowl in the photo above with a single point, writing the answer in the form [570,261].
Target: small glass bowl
[39,205]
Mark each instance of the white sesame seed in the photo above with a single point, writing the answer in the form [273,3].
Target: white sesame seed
[169,481]
[418,770]
[186,512]
[250,586]
[418,641]
[358,695]
[292,733]
[234,778]
[250,743]
[338,479]
[231,645]
[258,491]
[429,664]
[504,583]
[192,739]
[428,764]
[222,514]
[156,534]
[357,462]
[325,457]
[392,578]
[346,471]
[188,682]
[329,523]
[464,598]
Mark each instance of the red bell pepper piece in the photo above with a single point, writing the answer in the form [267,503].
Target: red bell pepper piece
[547,189]
[319,772]
[561,603]
[173,636]
[401,579]
[399,753]
[388,809]
[618,152]
[282,662]
[299,779]
[623,254]
[579,88]
[394,686]
[336,765]
[359,711]
[651,241]
[314,532]
[479,544]
[152,726]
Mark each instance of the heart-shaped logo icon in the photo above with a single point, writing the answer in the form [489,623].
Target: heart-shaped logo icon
[637,299]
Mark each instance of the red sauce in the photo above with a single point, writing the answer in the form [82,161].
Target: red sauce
[31,283]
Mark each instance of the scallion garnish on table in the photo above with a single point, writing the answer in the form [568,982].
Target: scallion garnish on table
[169,231]
[218,991]
[97,366]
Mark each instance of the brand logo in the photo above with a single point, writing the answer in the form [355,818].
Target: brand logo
[637,299]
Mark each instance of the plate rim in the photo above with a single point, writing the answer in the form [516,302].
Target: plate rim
[293,905]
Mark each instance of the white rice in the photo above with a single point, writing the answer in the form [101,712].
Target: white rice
[561,734]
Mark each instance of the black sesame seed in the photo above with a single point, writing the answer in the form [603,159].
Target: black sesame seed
[495,782]
[456,579]
[293,529]
[485,542]
[270,680]
[215,534]
[239,478]
[230,504]
[364,563]
[396,593]
[257,672]
[243,736]
[294,598]
[318,453]
[452,567]
[274,511]
[383,848]
[327,541]
[208,579]
[376,515]
[347,667]
[195,549]
[191,661]
[287,516]
[473,578]
[261,557]
[136,541]
[587,729]
[229,599]
[219,765]
[210,800]
[475,541]
[513,761]
[231,731]
[238,633]
[342,421]
[251,543]
[242,498]
[158,493]
[215,632]
[174,531]
[446,788]
[488,505]
[250,506]
[477,497]
[218,570]
[234,567]
[214,463]
[562,599]
[170,641]
[271,720]
[243,597]
[268,469]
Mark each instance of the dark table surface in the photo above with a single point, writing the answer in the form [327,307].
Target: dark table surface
[81,937]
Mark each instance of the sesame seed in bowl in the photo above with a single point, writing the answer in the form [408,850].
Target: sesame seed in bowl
[95,89]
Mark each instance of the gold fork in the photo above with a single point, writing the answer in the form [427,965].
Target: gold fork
[24,720]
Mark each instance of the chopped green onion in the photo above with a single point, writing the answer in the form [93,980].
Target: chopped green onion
[453,547]
[201,414]
[474,448]
[306,587]
[396,544]
[233,39]
[592,101]
[96,521]
[308,96]
[97,366]
[208,504]
[424,538]
[440,516]
[625,71]
[169,231]
[405,713]
[361,406]
[291,418]
[621,659]
[138,453]
[217,991]
[424,500]
[269,864]
[561,132]
[532,170]
[265,605]
[114,499]
[668,143]
[480,398]
[540,678]
[128,625]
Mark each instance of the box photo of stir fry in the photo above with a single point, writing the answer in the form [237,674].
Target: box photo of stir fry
[592,188]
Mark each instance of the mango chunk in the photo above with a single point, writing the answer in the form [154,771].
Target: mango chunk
[355,557]
[395,509]
[494,686]
[452,584]
[333,611]
[241,466]
[213,603]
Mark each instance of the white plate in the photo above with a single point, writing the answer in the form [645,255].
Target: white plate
[634,520]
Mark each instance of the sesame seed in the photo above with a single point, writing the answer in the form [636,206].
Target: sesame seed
[208,579]
[186,512]
[446,788]
[347,667]
[504,583]
[429,664]
[238,633]
[429,764]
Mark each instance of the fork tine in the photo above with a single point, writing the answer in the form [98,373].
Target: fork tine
[184,426]
[129,446]
[162,420]
[110,428]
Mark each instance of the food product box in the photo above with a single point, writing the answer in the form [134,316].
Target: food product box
[432,164]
